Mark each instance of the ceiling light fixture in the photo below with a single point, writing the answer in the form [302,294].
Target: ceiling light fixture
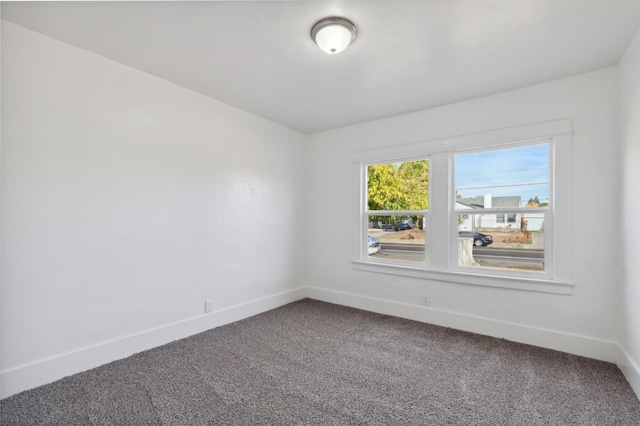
[333,35]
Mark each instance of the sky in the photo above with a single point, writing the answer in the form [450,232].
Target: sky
[522,171]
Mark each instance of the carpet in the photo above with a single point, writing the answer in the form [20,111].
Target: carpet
[316,363]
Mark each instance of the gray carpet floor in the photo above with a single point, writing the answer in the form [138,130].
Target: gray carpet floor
[311,362]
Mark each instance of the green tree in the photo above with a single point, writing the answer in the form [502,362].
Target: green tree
[535,202]
[398,186]
[415,184]
[384,189]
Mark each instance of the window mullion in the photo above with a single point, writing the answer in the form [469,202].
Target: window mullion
[438,226]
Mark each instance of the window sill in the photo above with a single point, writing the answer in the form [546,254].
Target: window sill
[515,283]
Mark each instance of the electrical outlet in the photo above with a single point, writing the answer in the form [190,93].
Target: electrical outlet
[208,306]
[426,301]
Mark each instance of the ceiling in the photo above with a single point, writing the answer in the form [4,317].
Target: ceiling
[409,55]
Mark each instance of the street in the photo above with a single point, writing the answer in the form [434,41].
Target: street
[492,257]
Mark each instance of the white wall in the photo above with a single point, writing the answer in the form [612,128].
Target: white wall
[128,201]
[583,323]
[629,75]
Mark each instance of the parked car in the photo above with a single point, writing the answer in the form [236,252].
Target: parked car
[373,244]
[479,239]
[398,226]
[403,225]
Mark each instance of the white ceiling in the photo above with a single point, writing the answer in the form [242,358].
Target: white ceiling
[409,54]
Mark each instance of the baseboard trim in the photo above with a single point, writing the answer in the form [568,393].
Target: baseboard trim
[45,371]
[629,368]
[589,347]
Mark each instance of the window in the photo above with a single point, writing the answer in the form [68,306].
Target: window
[487,208]
[397,204]
[503,184]
[511,218]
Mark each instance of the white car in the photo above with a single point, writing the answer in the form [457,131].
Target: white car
[373,244]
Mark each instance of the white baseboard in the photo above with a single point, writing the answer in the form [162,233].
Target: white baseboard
[630,369]
[45,371]
[602,350]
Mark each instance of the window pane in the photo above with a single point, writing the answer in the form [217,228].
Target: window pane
[398,186]
[481,244]
[396,238]
[505,178]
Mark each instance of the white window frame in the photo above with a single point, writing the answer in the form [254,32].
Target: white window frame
[441,264]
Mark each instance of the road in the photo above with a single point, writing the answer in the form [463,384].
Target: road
[477,251]
[529,259]
[385,246]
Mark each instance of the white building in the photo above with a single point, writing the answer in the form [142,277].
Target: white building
[530,221]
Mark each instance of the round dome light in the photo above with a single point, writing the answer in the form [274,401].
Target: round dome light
[333,35]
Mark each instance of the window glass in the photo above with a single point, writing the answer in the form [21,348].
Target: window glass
[397,201]
[398,186]
[483,245]
[504,178]
[514,179]
[396,238]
